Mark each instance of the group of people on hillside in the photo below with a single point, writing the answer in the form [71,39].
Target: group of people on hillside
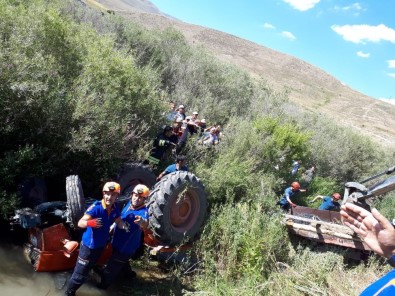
[179,129]
[100,220]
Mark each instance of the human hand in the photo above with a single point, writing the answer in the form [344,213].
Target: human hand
[375,230]
[94,223]
[140,221]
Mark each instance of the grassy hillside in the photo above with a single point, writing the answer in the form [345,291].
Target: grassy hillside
[306,85]
[82,92]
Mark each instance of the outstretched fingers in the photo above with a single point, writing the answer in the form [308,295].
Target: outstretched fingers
[357,227]
[384,223]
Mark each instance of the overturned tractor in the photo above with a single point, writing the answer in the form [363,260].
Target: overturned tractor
[177,208]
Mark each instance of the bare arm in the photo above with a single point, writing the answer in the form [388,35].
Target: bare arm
[317,197]
[161,175]
[290,201]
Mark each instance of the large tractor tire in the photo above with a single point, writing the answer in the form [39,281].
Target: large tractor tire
[177,208]
[133,174]
[75,200]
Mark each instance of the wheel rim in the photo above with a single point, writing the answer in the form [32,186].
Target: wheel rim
[184,211]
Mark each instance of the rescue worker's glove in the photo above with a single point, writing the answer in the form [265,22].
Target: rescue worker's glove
[126,226]
[94,223]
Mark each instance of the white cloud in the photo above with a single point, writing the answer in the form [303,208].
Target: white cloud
[363,54]
[391,101]
[362,33]
[302,5]
[354,6]
[288,35]
[268,26]
[391,63]
[391,75]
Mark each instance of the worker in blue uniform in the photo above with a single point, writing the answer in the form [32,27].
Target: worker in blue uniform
[329,203]
[96,221]
[125,244]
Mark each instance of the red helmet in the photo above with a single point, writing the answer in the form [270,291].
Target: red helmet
[295,185]
[336,196]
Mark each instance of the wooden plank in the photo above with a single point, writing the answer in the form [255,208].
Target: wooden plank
[323,215]
[330,239]
[317,223]
[340,235]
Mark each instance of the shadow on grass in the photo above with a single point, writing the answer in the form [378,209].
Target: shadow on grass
[153,278]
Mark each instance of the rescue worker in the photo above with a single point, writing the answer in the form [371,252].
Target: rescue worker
[286,200]
[96,221]
[379,235]
[329,203]
[162,142]
[125,244]
[180,165]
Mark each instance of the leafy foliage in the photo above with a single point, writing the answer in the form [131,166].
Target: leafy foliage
[82,92]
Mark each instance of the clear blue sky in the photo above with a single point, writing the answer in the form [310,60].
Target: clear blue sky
[353,41]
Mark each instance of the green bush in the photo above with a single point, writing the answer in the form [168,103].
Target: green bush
[239,247]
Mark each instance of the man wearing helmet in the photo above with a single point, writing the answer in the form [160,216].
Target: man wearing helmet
[125,244]
[329,203]
[285,202]
[96,221]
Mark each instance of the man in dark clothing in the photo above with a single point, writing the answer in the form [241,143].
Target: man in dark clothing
[162,142]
